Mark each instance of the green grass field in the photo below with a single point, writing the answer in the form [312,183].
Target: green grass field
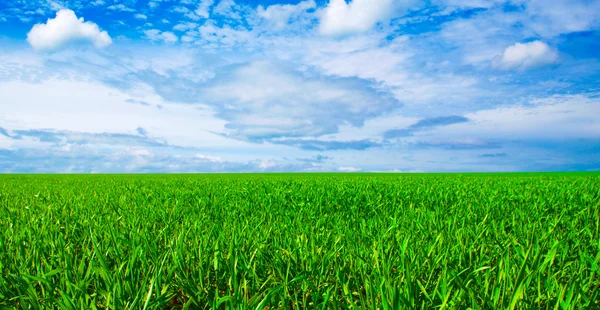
[300,241]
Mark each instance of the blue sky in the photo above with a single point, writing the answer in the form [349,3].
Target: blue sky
[274,85]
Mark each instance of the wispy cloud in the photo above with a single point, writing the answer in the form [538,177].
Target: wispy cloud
[424,124]
[140,102]
[319,145]
[493,155]
[120,7]
[157,35]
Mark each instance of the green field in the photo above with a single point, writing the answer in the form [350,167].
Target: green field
[300,241]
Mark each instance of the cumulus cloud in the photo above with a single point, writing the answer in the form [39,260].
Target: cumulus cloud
[279,15]
[157,35]
[66,28]
[340,17]
[526,55]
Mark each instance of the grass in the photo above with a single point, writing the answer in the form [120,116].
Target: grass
[300,241]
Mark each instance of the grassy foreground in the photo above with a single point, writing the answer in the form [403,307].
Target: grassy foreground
[301,241]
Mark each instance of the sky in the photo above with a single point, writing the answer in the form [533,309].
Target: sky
[162,86]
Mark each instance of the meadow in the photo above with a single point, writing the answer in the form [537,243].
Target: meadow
[300,241]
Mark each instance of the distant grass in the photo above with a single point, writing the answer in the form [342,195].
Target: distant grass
[301,241]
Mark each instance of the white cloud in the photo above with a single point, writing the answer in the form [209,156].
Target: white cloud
[526,55]
[212,159]
[141,16]
[203,8]
[392,63]
[120,7]
[57,104]
[140,152]
[452,5]
[357,16]
[266,164]
[54,5]
[348,169]
[98,3]
[279,15]
[184,26]
[545,18]
[153,5]
[157,35]
[552,18]
[224,37]
[552,118]
[265,99]
[227,8]
[189,13]
[66,28]
[478,39]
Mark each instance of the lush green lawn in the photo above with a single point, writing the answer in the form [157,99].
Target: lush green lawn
[388,241]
